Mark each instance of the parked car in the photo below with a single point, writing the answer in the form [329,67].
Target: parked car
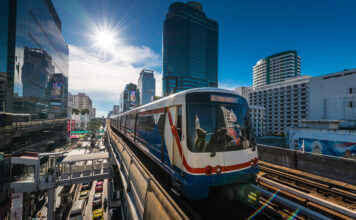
[84,194]
[85,185]
[98,214]
[99,187]
[97,200]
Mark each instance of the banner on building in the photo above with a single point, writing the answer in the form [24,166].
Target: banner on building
[68,126]
[73,125]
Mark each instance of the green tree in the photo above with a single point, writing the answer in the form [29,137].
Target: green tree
[94,125]
[84,111]
[75,111]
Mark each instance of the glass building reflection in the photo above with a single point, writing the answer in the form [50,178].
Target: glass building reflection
[36,56]
[33,83]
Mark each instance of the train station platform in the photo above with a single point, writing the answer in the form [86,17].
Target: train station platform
[37,172]
[74,169]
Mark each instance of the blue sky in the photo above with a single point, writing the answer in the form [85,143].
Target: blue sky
[322,31]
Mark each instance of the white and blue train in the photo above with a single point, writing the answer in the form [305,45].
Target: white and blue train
[202,137]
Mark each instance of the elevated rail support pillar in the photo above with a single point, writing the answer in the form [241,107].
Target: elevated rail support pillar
[51,202]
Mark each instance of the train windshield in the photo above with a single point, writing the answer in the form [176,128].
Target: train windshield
[218,123]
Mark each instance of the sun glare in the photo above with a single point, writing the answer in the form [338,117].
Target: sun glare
[104,39]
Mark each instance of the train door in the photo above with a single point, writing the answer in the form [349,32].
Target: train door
[173,135]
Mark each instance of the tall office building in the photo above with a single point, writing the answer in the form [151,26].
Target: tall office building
[32,51]
[82,101]
[190,48]
[146,86]
[276,68]
[129,98]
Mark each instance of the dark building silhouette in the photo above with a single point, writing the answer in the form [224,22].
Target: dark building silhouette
[190,48]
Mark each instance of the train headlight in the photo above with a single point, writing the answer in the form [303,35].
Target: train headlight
[208,170]
[254,161]
[218,169]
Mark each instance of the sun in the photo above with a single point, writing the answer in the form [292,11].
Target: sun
[105,39]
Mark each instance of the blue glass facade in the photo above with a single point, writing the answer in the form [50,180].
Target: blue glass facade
[36,55]
[146,86]
[4,20]
[190,49]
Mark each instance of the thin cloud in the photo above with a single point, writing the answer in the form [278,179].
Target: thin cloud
[103,79]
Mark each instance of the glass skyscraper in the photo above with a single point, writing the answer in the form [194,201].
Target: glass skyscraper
[190,48]
[33,59]
[33,80]
[146,86]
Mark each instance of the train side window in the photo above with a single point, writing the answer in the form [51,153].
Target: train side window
[179,122]
[160,124]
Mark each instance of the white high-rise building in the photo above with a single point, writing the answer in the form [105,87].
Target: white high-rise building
[82,101]
[276,68]
[333,96]
[285,103]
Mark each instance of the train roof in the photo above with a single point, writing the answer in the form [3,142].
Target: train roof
[168,100]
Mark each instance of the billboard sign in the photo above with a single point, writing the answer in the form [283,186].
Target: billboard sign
[326,147]
[132,96]
[56,89]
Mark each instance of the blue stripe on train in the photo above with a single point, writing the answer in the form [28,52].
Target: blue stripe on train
[198,186]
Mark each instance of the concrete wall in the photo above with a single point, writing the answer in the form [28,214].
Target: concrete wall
[326,166]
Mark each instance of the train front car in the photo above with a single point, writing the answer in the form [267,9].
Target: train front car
[219,145]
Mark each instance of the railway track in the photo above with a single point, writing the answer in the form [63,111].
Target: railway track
[331,198]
